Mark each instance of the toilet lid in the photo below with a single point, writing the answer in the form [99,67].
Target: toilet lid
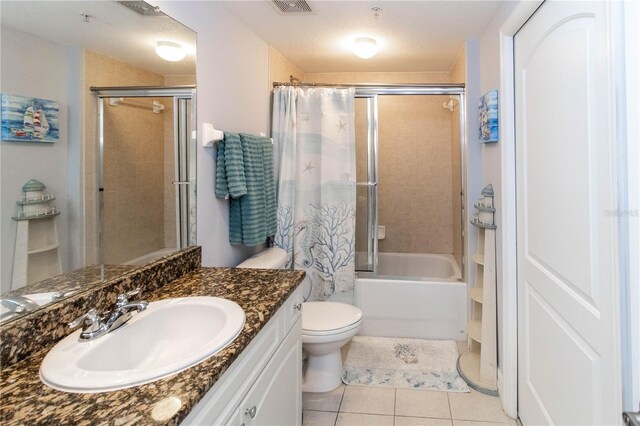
[326,316]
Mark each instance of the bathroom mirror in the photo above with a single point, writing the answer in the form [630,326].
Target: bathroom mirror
[94,183]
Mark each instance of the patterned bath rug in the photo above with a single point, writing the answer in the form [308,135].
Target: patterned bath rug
[403,363]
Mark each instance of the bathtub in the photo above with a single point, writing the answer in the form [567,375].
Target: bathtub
[418,296]
[150,257]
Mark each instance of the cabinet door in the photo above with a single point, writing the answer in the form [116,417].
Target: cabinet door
[276,397]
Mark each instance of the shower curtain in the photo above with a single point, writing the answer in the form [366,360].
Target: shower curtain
[314,137]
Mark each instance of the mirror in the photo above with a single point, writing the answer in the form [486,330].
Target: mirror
[94,183]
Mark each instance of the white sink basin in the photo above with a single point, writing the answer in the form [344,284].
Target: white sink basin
[171,335]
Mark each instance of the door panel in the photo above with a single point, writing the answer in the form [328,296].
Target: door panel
[366,112]
[567,328]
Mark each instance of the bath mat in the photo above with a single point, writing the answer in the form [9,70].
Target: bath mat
[403,363]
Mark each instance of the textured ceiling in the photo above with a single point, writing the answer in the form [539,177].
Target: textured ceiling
[412,35]
[113,30]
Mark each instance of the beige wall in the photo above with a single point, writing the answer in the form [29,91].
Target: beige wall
[280,69]
[377,77]
[458,73]
[415,165]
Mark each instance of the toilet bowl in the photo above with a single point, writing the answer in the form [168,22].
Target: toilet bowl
[326,327]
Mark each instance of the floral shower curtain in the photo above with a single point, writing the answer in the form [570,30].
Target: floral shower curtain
[314,134]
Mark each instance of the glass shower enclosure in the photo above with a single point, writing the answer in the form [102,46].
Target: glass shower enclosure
[146,172]
[394,124]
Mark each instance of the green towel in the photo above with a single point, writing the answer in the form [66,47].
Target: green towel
[230,179]
[245,174]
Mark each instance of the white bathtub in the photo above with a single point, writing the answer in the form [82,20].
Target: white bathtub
[413,295]
[150,257]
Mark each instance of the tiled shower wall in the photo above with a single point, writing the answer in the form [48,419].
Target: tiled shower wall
[418,165]
[415,174]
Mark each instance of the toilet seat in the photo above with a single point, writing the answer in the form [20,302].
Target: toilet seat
[332,332]
[329,318]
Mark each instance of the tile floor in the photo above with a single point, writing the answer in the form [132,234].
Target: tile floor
[370,406]
[366,405]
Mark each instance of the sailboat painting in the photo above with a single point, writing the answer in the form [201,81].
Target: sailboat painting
[30,119]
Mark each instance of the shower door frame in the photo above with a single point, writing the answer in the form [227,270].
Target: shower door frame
[373,91]
[185,148]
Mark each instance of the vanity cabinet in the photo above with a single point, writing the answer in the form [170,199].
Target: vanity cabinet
[264,385]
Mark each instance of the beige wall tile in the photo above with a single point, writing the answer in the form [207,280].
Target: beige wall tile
[377,77]
[414,164]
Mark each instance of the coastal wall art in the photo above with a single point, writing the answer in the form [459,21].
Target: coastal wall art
[27,119]
[489,117]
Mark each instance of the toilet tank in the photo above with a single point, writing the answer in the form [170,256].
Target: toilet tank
[271,258]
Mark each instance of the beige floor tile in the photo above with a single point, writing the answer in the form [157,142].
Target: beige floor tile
[318,418]
[462,346]
[327,401]
[479,423]
[352,419]
[368,400]
[422,403]
[420,421]
[476,406]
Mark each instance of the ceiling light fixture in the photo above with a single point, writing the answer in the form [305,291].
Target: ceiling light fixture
[170,51]
[365,47]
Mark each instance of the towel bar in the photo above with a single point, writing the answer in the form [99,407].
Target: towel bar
[211,136]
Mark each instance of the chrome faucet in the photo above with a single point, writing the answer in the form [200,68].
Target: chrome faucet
[19,304]
[95,325]
[59,295]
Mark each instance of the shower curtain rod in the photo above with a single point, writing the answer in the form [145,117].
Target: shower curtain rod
[386,89]
[143,91]
[372,85]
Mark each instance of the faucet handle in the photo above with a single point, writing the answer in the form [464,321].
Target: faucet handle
[123,298]
[89,319]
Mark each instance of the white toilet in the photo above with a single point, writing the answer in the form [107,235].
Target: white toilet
[326,327]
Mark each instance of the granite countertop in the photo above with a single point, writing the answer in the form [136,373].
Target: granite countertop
[24,399]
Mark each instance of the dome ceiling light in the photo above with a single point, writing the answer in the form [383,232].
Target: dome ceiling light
[365,47]
[170,51]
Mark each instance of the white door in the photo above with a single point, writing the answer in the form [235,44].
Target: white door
[568,336]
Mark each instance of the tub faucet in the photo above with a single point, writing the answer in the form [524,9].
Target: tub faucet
[95,325]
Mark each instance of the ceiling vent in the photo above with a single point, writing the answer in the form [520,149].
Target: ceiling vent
[301,7]
[142,8]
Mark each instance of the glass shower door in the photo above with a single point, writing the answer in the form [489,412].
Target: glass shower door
[366,112]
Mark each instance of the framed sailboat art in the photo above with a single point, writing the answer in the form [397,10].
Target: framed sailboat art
[27,119]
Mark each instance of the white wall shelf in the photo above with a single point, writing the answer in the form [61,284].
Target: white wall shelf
[478,365]
[37,249]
